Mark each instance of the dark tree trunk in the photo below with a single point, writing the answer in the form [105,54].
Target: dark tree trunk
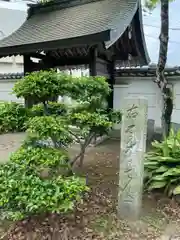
[160,79]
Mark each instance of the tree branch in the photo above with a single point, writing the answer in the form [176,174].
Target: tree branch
[83,147]
[74,135]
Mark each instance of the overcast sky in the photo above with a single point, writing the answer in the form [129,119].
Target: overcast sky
[18,5]
[12,16]
[152,34]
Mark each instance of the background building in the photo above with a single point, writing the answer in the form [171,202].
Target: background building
[12,16]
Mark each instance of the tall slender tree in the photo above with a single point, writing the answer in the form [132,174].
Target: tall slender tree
[167,98]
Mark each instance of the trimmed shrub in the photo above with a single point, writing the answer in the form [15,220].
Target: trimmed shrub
[28,183]
[162,165]
[40,158]
[23,193]
[13,117]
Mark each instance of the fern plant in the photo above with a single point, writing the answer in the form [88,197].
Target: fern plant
[162,165]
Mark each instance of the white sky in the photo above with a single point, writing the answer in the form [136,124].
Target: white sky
[22,6]
[152,34]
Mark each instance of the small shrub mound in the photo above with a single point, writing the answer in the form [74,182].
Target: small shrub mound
[23,193]
[162,165]
[40,158]
[12,117]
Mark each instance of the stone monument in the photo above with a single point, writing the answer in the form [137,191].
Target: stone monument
[133,146]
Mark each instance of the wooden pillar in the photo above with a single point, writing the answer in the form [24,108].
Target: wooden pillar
[30,66]
[111,81]
[47,64]
[92,61]
[28,69]
[27,64]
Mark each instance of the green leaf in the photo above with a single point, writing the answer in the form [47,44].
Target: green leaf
[159,178]
[153,158]
[161,169]
[157,184]
[167,159]
[151,163]
[176,190]
[172,172]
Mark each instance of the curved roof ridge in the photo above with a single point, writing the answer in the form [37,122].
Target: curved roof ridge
[119,30]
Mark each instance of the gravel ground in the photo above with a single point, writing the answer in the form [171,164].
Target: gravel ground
[9,143]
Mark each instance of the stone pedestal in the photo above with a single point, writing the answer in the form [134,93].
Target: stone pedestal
[133,146]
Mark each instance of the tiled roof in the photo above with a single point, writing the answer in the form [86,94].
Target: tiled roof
[146,72]
[4,76]
[95,17]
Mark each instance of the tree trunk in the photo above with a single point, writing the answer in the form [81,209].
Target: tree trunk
[82,158]
[160,77]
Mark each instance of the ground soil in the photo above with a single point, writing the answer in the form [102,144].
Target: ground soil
[96,218]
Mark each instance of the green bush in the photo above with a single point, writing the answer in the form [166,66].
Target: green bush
[162,165]
[88,122]
[24,193]
[39,158]
[49,127]
[54,108]
[12,117]
[42,85]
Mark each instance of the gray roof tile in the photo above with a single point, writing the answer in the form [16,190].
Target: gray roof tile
[146,71]
[72,22]
[4,76]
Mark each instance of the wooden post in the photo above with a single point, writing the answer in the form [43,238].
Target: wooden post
[93,67]
[27,69]
[111,81]
[27,64]
[92,61]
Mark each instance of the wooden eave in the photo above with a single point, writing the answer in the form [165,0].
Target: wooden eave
[58,45]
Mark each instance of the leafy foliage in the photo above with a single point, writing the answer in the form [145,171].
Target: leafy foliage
[39,158]
[35,181]
[92,90]
[42,85]
[162,165]
[12,117]
[54,108]
[49,127]
[151,4]
[91,122]
[90,125]
[24,193]
[83,122]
